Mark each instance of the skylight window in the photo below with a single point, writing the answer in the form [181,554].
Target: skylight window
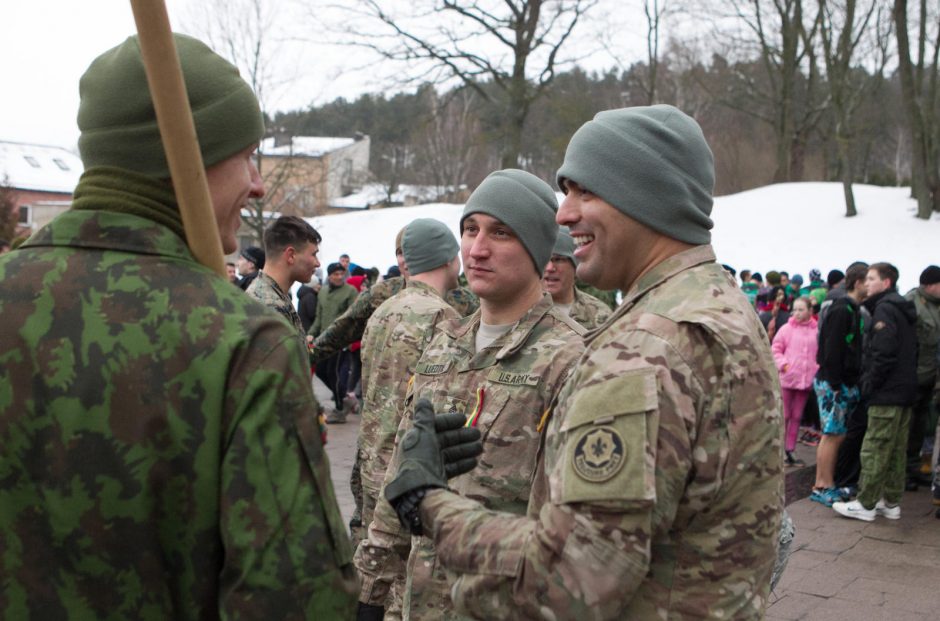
[31,161]
[62,165]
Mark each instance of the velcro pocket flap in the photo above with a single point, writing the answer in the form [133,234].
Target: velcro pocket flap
[632,392]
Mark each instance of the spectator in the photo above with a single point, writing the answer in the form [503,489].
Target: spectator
[836,385]
[249,262]
[889,384]
[231,272]
[750,287]
[794,350]
[776,314]
[332,301]
[926,299]
[307,302]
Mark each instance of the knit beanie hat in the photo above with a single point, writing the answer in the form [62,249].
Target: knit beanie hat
[334,267]
[834,277]
[796,280]
[930,276]
[564,245]
[428,244]
[254,255]
[524,203]
[651,163]
[117,118]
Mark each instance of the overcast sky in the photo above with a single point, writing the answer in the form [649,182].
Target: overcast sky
[47,45]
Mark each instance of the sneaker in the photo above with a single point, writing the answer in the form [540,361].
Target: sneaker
[823,496]
[854,510]
[335,418]
[892,513]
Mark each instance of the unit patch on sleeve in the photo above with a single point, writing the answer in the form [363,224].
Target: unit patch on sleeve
[598,455]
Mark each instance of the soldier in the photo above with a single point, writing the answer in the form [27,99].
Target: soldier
[501,367]
[290,248]
[559,281]
[332,301]
[659,490]
[159,458]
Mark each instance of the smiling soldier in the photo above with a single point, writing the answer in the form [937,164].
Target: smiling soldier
[558,281]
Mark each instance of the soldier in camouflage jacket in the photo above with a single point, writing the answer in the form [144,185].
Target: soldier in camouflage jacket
[159,459]
[503,387]
[659,491]
[559,280]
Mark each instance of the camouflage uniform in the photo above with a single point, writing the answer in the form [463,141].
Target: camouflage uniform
[266,290]
[520,373]
[159,457]
[659,489]
[588,310]
[393,341]
[349,327]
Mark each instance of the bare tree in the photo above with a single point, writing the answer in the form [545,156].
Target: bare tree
[841,31]
[919,92]
[450,141]
[655,11]
[507,51]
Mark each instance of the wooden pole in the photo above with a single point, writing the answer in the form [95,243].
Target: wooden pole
[175,119]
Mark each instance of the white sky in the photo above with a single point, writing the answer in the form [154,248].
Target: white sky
[48,44]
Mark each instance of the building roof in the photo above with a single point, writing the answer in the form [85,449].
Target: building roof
[305,146]
[39,168]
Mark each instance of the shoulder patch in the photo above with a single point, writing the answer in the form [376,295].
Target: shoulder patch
[433,368]
[598,454]
[513,379]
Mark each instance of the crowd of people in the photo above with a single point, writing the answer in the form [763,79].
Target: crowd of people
[525,450]
[858,366]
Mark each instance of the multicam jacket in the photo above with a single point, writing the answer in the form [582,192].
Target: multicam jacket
[266,290]
[349,327]
[508,387]
[588,310]
[159,457]
[659,489]
[397,333]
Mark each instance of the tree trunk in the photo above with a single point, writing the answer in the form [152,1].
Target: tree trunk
[845,163]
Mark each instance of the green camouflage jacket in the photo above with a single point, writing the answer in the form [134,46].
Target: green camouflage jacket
[268,292]
[349,327]
[160,459]
[331,303]
[519,374]
[659,491]
[588,310]
[397,333]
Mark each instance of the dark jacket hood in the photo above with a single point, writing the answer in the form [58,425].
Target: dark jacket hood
[906,307]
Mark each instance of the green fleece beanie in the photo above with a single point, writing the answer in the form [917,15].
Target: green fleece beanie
[427,244]
[564,245]
[523,202]
[118,122]
[651,163]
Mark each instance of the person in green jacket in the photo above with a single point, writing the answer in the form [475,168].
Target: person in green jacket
[332,301]
[160,458]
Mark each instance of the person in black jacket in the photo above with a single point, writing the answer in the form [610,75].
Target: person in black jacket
[307,302]
[889,384]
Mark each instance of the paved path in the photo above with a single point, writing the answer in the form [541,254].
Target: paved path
[840,569]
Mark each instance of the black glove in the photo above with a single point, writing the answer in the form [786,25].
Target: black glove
[368,612]
[430,454]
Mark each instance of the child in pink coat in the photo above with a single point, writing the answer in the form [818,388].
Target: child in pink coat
[794,349]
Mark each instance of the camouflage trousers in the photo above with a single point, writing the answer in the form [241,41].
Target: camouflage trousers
[365,506]
[357,524]
[884,455]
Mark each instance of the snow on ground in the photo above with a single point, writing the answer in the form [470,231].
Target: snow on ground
[790,226]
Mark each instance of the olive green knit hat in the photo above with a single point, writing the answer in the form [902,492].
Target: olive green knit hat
[523,202]
[652,163]
[117,118]
[427,245]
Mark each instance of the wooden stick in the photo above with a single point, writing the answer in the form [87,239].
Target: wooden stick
[175,119]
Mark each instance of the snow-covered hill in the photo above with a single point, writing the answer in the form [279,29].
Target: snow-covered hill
[790,226]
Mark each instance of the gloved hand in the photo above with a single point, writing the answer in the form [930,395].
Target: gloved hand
[368,612]
[429,456]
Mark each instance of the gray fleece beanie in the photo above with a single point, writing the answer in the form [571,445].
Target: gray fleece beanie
[652,163]
[564,245]
[523,202]
[427,244]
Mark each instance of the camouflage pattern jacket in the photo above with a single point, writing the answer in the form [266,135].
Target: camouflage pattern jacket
[510,384]
[397,333]
[659,491]
[266,290]
[588,310]
[159,458]
[350,326]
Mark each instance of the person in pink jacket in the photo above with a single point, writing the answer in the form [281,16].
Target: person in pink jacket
[794,349]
